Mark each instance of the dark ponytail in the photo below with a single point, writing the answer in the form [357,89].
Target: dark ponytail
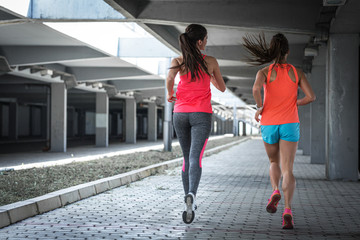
[193,61]
[262,53]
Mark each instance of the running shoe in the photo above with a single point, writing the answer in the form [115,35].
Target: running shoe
[189,213]
[288,222]
[273,202]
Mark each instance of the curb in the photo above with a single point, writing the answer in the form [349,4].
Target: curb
[18,211]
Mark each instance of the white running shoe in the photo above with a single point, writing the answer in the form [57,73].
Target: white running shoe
[190,207]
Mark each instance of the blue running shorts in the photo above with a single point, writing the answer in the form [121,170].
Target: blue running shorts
[271,134]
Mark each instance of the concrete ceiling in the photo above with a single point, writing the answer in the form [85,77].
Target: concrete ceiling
[306,23]
[27,42]
[30,46]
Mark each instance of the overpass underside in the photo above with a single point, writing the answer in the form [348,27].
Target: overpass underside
[56,89]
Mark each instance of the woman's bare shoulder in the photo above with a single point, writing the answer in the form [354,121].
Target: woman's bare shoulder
[210,60]
[176,61]
[264,70]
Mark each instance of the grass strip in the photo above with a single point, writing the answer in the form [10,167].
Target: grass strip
[29,183]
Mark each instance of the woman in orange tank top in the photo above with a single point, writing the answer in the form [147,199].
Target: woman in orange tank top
[279,114]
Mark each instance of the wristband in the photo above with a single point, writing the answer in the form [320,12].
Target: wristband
[258,108]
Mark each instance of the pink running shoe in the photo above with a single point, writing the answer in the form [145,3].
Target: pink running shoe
[273,202]
[288,222]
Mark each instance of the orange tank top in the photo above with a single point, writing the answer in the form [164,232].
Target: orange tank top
[280,97]
[193,96]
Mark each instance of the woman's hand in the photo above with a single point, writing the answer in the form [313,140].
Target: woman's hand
[258,113]
[170,80]
[171,97]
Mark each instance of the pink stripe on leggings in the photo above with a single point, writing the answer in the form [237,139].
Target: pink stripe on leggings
[183,165]
[202,152]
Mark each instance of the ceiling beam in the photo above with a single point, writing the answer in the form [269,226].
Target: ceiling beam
[35,55]
[104,73]
[126,85]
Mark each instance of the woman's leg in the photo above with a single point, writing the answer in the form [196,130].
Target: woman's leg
[183,132]
[200,130]
[273,153]
[287,157]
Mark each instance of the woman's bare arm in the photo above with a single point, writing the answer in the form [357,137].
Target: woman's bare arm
[170,80]
[216,79]
[258,84]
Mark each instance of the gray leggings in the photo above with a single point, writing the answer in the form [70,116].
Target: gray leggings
[193,130]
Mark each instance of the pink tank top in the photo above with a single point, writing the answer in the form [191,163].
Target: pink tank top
[193,96]
[280,97]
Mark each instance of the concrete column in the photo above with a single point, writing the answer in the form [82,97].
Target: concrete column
[342,107]
[244,129]
[102,120]
[231,124]
[305,128]
[168,125]
[13,121]
[130,121]
[58,117]
[222,126]
[235,122]
[318,83]
[152,122]
[236,127]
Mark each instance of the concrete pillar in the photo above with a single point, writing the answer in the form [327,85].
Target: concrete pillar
[236,127]
[130,121]
[222,126]
[13,121]
[168,125]
[318,83]
[102,120]
[342,107]
[244,129]
[152,122]
[305,128]
[235,122]
[58,117]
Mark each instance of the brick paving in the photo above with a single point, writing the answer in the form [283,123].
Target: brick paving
[232,197]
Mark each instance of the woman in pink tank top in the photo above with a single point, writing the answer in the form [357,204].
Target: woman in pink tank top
[280,127]
[192,110]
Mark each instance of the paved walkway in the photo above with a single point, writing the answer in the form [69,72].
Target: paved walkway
[232,197]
